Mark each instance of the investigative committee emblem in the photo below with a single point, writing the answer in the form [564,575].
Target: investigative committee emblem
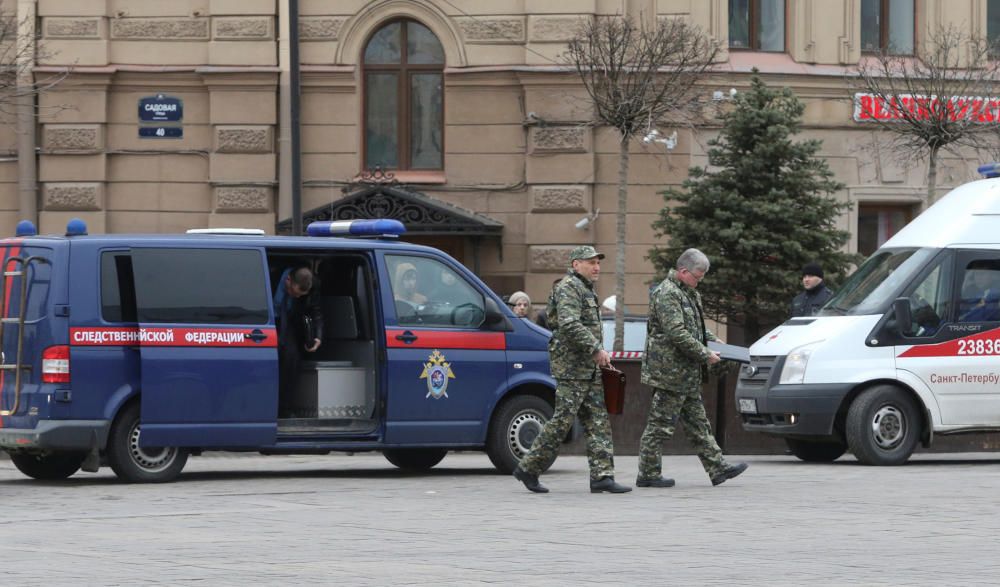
[437,373]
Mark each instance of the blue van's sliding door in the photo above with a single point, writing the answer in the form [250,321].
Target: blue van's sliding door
[209,357]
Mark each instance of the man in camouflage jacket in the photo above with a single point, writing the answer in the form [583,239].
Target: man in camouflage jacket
[575,358]
[675,365]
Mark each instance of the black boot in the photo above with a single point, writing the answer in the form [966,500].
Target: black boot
[658,482]
[530,481]
[729,472]
[608,484]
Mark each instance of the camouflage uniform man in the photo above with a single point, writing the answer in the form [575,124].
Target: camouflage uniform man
[674,365]
[576,356]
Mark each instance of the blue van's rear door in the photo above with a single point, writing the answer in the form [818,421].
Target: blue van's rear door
[208,347]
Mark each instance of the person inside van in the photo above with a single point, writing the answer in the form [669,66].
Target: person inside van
[980,295]
[299,321]
[404,285]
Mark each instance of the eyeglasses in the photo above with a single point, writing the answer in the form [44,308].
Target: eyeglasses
[697,276]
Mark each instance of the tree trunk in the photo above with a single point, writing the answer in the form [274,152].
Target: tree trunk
[620,242]
[932,176]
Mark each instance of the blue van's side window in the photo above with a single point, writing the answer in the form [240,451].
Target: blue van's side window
[430,293]
[200,286]
[117,287]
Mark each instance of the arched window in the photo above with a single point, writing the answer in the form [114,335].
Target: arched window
[404,98]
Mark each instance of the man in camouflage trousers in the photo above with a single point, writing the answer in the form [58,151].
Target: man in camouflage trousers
[576,358]
[675,365]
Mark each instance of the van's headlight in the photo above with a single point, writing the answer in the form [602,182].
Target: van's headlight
[794,370]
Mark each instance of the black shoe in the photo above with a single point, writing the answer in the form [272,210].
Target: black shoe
[608,484]
[729,472]
[530,481]
[658,482]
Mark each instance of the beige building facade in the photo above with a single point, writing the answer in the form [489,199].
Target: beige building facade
[490,143]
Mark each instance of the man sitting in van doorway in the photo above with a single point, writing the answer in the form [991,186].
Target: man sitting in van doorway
[299,321]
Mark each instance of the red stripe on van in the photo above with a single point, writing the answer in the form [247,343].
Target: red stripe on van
[13,251]
[442,339]
[985,343]
[175,337]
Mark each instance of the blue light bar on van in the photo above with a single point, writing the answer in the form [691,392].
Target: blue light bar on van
[377,227]
[989,170]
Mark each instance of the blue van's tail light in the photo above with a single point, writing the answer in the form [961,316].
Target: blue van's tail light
[55,364]
[377,227]
[989,170]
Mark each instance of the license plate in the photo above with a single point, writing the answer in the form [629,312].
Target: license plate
[748,405]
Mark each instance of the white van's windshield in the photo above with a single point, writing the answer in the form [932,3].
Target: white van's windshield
[871,289]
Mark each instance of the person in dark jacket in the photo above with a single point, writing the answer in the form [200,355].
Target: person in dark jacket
[300,328]
[815,296]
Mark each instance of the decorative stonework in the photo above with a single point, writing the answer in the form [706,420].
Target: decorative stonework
[72,28]
[549,258]
[72,196]
[319,28]
[242,28]
[555,29]
[559,198]
[72,138]
[243,139]
[559,139]
[159,28]
[243,199]
[492,30]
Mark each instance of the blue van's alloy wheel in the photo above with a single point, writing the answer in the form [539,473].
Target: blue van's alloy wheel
[137,464]
[515,425]
[48,467]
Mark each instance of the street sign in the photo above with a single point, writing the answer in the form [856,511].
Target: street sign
[161,132]
[160,108]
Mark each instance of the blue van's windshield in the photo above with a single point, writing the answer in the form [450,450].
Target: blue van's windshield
[871,289]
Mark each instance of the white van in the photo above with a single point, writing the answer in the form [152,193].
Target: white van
[907,349]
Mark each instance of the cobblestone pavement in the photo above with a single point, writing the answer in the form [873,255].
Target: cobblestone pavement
[355,520]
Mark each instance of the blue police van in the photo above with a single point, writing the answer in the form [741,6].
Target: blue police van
[136,351]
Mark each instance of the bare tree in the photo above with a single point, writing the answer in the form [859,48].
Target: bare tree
[941,98]
[19,50]
[637,74]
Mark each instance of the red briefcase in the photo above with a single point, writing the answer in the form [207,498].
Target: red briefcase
[614,390]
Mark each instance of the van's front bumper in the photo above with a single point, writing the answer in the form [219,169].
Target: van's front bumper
[81,435]
[808,410]
[792,410]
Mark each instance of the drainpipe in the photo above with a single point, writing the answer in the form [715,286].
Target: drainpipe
[27,168]
[296,129]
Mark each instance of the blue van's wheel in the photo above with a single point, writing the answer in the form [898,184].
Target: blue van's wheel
[141,464]
[514,427]
[48,467]
[414,459]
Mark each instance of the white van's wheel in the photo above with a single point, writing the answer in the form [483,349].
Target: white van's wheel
[816,452]
[883,426]
[514,427]
[137,464]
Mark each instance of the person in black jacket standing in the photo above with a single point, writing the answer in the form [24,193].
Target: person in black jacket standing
[815,296]
[300,328]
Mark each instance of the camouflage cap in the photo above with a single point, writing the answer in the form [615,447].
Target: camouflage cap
[584,252]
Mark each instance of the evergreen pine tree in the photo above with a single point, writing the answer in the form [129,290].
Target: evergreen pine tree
[762,209]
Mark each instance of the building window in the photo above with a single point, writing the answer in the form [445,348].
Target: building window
[993,22]
[758,25]
[887,25]
[404,98]
[877,223]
